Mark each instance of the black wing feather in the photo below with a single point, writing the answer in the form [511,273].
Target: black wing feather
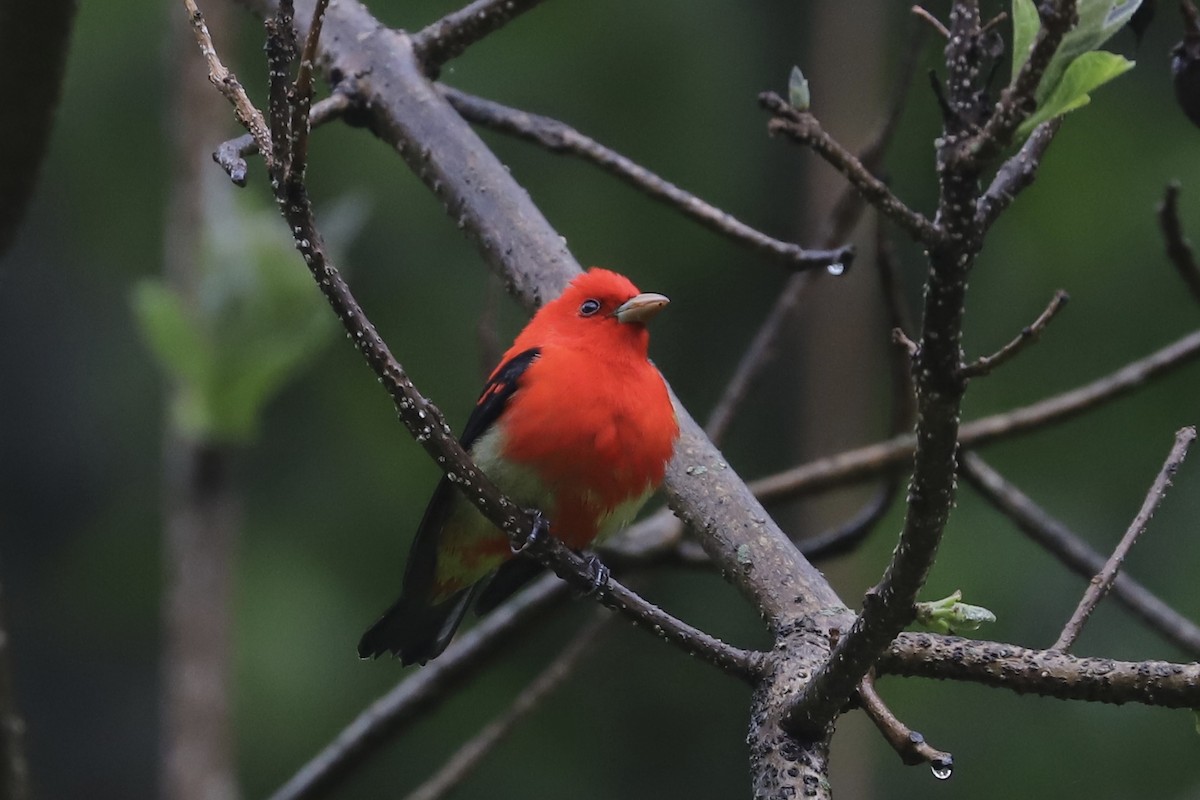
[494,397]
[415,629]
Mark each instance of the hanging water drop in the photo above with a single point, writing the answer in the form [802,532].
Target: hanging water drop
[836,268]
[942,768]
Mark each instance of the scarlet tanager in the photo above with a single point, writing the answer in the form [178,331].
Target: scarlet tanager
[576,423]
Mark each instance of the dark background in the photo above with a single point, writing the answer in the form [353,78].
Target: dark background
[333,487]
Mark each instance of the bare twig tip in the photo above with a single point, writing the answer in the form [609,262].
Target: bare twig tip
[933,21]
[1100,584]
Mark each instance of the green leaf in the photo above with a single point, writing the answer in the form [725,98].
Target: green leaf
[1025,27]
[798,94]
[1098,21]
[1085,74]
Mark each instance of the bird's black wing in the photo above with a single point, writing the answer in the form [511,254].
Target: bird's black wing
[414,628]
[494,397]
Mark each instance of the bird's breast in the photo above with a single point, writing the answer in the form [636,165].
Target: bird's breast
[598,435]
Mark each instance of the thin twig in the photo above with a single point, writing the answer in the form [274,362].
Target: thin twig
[905,342]
[472,752]
[1028,335]
[848,208]
[231,154]
[558,137]
[933,21]
[1016,174]
[908,744]
[301,93]
[1103,580]
[227,83]
[803,127]
[1050,673]
[1179,249]
[1080,557]
[855,465]
[845,213]
[993,22]
[756,356]
[451,35]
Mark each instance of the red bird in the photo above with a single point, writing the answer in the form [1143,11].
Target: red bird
[575,422]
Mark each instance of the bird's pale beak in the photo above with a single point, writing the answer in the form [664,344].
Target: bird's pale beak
[641,308]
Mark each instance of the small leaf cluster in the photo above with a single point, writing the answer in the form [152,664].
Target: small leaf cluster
[1078,67]
[950,615]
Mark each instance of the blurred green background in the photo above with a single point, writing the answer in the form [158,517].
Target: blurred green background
[333,487]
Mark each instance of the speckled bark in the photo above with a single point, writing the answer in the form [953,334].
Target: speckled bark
[1044,672]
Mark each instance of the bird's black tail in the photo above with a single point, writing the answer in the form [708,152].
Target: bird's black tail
[414,630]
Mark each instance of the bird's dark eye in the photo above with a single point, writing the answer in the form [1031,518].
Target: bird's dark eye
[589,307]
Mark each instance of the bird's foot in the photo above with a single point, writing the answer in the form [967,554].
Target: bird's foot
[537,534]
[598,575]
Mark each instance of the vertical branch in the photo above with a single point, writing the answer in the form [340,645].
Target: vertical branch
[939,388]
[202,521]
[201,510]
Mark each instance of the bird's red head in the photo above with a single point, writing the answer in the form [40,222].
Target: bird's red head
[601,307]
